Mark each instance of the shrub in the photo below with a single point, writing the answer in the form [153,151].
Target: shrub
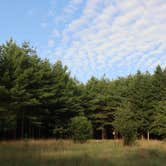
[81,129]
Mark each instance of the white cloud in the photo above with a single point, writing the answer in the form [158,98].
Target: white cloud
[123,35]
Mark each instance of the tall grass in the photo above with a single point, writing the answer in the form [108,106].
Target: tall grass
[93,153]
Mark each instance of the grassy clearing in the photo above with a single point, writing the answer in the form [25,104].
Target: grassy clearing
[93,153]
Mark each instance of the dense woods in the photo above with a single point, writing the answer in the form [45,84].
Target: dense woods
[38,99]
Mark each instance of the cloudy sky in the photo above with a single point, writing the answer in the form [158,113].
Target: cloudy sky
[91,37]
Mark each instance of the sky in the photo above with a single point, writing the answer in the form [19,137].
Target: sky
[91,37]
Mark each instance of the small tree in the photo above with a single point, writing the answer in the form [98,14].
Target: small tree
[158,126]
[125,123]
[81,129]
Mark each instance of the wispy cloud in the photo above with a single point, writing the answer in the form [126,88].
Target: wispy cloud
[111,36]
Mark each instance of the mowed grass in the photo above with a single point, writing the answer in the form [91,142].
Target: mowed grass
[92,153]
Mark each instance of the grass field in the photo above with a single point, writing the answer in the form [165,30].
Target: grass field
[93,153]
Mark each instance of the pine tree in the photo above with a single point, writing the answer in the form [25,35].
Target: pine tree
[125,123]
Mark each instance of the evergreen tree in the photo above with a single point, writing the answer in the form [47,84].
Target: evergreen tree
[126,123]
[38,99]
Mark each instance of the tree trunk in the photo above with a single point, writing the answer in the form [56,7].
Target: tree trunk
[22,126]
[148,135]
[14,133]
[39,132]
[103,133]
[29,128]
[142,137]
[32,132]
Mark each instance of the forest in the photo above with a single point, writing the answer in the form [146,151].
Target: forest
[38,99]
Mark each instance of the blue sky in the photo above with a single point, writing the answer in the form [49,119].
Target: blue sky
[91,37]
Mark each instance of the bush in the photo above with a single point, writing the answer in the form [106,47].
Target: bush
[81,129]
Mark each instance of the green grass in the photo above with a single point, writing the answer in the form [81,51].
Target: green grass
[93,153]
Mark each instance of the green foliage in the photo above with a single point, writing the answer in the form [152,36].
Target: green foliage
[99,104]
[141,98]
[36,95]
[125,123]
[81,129]
[38,99]
[159,124]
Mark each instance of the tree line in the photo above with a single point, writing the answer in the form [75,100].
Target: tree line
[38,99]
